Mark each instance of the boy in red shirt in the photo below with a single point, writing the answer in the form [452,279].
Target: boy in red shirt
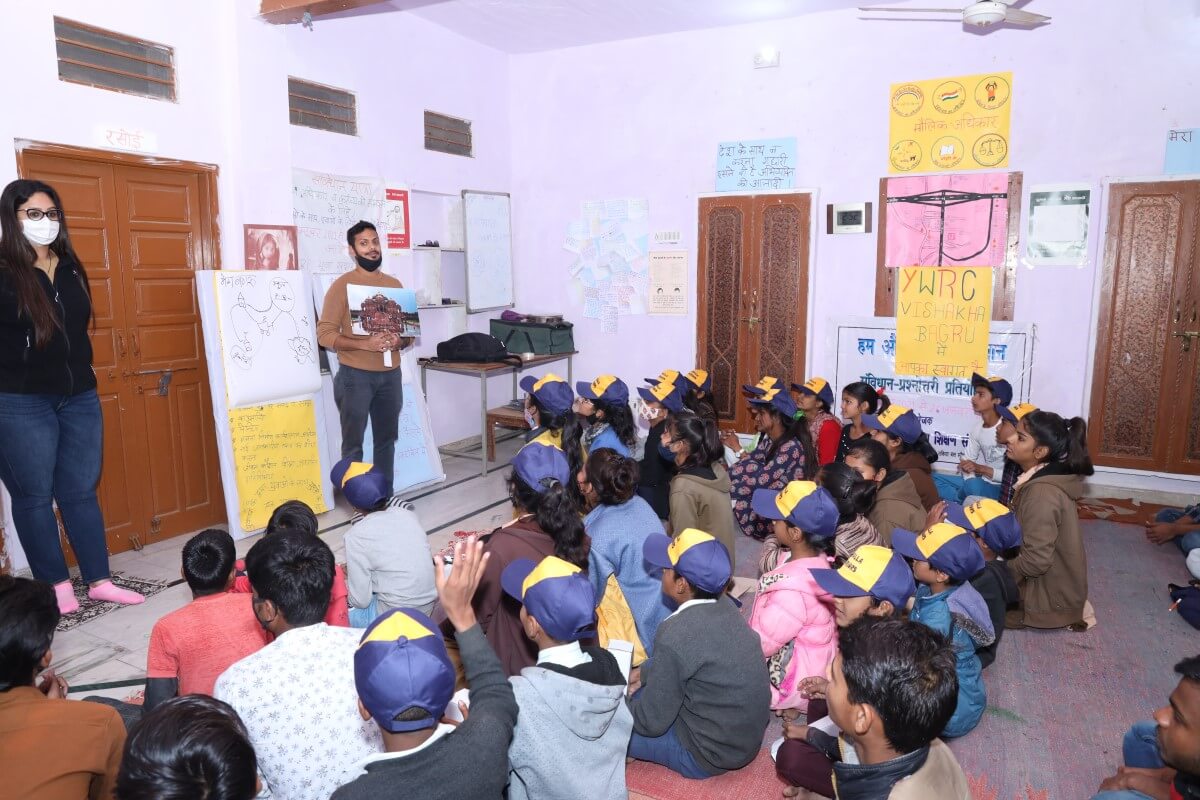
[191,647]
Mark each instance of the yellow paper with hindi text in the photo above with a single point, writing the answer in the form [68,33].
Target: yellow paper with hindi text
[275,458]
[950,123]
[943,316]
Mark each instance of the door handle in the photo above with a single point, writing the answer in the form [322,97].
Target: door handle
[751,320]
[121,343]
[1187,337]
[137,349]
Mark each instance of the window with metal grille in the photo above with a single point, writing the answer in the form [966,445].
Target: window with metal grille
[323,107]
[447,134]
[107,60]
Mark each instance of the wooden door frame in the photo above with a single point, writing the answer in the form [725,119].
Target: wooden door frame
[807,290]
[210,250]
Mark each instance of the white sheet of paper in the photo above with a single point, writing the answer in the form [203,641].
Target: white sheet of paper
[1059,223]
[623,652]
[452,710]
[825,725]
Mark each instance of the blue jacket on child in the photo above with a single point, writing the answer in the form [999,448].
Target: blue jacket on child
[961,615]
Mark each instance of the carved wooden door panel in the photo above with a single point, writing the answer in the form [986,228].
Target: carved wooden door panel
[752,296]
[1144,387]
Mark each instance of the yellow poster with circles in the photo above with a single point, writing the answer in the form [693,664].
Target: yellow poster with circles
[950,123]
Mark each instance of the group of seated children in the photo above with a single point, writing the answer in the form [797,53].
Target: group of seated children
[840,632]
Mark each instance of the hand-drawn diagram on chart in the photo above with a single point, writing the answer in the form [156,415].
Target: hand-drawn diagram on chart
[268,339]
[947,220]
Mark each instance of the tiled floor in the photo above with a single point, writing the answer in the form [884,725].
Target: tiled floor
[112,648]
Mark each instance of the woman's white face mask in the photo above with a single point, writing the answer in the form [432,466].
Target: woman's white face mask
[647,411]
[40,231]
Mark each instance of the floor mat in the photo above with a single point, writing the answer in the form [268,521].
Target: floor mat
[756,780]
[90,609]
[1134,512]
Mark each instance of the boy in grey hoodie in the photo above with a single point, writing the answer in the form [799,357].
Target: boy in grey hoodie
[574,726]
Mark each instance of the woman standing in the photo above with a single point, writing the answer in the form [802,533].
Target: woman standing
[50,423]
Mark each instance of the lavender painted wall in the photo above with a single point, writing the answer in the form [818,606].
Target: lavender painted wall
[1095,92]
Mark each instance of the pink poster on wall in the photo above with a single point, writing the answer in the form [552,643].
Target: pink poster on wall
[947,220]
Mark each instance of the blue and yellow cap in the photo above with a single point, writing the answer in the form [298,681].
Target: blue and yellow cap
[554,592]
[540,463]
[694,554]
[818,388]
[778,399]
[1014,414]
[666,376]
[946,546]
[767,383]
[990,520]
[1000,388]
[665,393]
[401,663]
[803,504]
[606,389]
[896,420]
[700,380]
[872,571]
[362,485]
[551,392]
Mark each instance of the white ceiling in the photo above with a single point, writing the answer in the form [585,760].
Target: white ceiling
[528,26]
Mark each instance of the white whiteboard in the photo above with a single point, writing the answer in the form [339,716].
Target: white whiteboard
[324,206]
[488,232]
[267,335]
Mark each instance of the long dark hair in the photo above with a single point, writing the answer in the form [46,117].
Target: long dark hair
[921,446]
[692,401]
[18,259]
[1066,440]
[853,495]
[795,428]
[701,437]
[620,417]
[873,454]
[568,424]
[866,393]
[613,476]
[556,513]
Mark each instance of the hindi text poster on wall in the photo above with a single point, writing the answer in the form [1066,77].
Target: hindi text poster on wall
[395,210]
[668,282]
[762,164]
[950,123]
[942,320]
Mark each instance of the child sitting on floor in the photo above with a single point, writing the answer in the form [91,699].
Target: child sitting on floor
[405,681]
[998,534]
[854,497]
[1010,416]
[296,515]
[897,503]
[892,689]
[704,701]
[573,727]
[388,564]
[874,582]
[982,466]
[944,559]
[192,646]
[792,615]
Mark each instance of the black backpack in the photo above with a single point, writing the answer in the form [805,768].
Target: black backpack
[477,347]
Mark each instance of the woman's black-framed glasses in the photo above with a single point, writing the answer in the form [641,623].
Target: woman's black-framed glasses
[34,214]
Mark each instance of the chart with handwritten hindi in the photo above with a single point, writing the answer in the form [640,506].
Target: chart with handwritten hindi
[324,206]
[947,220]
[756,164]
[943,316]
[275,458]
[950,123]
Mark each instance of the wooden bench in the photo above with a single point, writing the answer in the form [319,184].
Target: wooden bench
[505,417]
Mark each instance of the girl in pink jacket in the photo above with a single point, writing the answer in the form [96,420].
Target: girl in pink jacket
[792,615]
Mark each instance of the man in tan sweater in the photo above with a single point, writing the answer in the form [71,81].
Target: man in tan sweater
[368,381]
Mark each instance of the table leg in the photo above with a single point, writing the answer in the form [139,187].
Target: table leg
[570,377]
[423,391]
[516,374]
[483,409]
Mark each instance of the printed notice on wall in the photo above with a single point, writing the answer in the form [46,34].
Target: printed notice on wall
[275,458]
[1183,152]
[668,282]
[756,164]
[950,123]
[1058,225]
[942,321]
[395,212]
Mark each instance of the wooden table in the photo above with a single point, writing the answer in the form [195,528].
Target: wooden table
[483,371]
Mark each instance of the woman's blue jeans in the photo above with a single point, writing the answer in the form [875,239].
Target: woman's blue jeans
[50,452]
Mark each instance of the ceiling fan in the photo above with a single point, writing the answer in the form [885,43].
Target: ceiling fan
[978,15]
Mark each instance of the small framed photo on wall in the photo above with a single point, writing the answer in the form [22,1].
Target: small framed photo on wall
[271,247]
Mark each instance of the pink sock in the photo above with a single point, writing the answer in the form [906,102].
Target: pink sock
[66,597]
[115,594]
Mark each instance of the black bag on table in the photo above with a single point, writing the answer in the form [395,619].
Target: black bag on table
[474,347]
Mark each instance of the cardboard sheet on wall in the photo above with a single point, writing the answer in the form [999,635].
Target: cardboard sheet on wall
[942,320]
[276,458]
[947,220]
[864,348]
[950,123]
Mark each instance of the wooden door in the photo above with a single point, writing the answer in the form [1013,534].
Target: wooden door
[752,295]
[1145,412]
[140,231]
